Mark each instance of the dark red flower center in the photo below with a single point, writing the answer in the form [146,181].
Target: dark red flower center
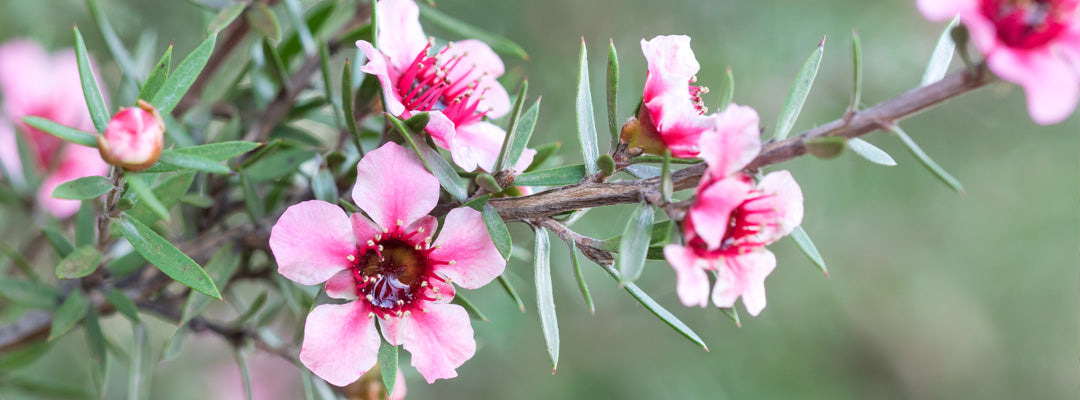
[429,84]
[695,96]
[745,227]
[1028,23]
[393,272]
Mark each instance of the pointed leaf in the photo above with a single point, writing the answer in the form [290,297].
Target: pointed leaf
[926,161]
[635,243]
[123,304]
[799,91]
[826,147]
[856,55]
[612,92]
[158,76]
[545,299]
[221,151]
[116,47]
[569,174]
[225,17]
[582,286]
[543,153]
[520,135]
[85,188]
[307,40]
[22,355]
[182,77]
[729,90]
[189,161]
[59,243]
[169,191]
[138,373]
[666,186]
[95,340]
[433,161]
[263,19]
[167,257]
[733,314]
[942,56]
[147,197]
[469,306]
[870,152]
[388,365]
[504,159]
[807,246]
[586,122]
[63,132]
[323,186]
[657,309]
[347,94]
[84,224]
[511,292]
[220,267]
[497,229]
[71,311]
[174,344]
[465,30]
[81,262]
[29,293]
[98,113]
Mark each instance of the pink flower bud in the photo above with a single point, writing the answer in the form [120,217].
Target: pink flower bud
[134,138]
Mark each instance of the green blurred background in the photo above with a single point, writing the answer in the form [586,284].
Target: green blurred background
[932,294]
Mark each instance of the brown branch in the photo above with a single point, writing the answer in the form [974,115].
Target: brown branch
[882,115]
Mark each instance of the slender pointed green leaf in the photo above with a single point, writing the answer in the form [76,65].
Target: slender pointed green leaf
[245,372]
[504,160]
[84,224]
[167,257]
[123,304]
[643,171]
[95,341]
[22,355]
[252,200]
[465,30]
[275,64]
[657,309]
[469,306]
[138,376]
[328,87]
[85,188]
[544,153]
[733,314]
[583,106]
[729,90]
[303,32]
[635,243]
[926,161]
[20,261]
[157,77]
[582,286]
[29,293]
[612,92]
[220,267]
[183,76]
[388,365]
[433,161]
[221,151]
[81,262]
[347,94]
[870,152]
[552,177]
[71,311]
[263,19]
[250,311]
[189,161]
[146,196]
[174,344]
[63,132]
[942,56]
[324,187]
[478,203]
[545,299]
[660,159]
[169,191]
[112,41]
[511,291]
[519,138]
[666,186]
[826,147]
[98,113]
[497,229]
[799,91]
[59,243]
[856,55]
[225,17]
[807,246]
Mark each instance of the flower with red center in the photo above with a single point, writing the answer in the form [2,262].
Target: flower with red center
[455,84]
[672,115]
[733,219]
[134,138]
[35,83]
[389,268]
[1033,43]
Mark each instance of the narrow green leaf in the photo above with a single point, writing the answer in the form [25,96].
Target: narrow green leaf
[807,246]
[245,372]
[799,91]
[478,203]
[511,291]
[318,17]
[347,94]
[221,151]
[220,267]
[635,243]
[586,124]
[870,152]
[433,161]
[71,311]
[544,153]
[388,365]
[733,314]
[22,355]
[826,147]
[123,304]
[252,200]
[98,113]
[174,344]
[942,56]
[59,243]
[169,191]
[324,187]
[112,41]
[307,40]
[167,257]
[657,309]
[522,132]
[582,286]
[182,77]
[85,188]
[146,196]
[497,229]
[66,133]
[469,306]
[225,17]
[278,164]
[926,161]
[263,19]
[188,161]
[20,261]
[545,299]
[465,30]
[138,376]
[84,224]
[81,262]
[157,77]
[504,160]
[856,56]
[729,90]
[29,293]
[612,92]
[552,177]
[250,311]
[328,87]
[666,186]
[275,64]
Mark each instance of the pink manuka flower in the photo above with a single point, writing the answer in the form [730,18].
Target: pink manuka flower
[389,268]
[35,83]
[456,84]
[1033,43]
[672,115]
[134,138]
[733,219]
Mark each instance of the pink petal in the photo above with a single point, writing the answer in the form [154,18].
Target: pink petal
[311,242]
[786,203]
[393,187]
[692,283]
[9,153]
[1050,81]
[494,98]
[363,228]
[391,329]
[734,142]
[465,240]
[711,211]
[377,66]
[401,37]
[76,161]
[425,226]
[744,276]
[342,286]
[479,63]
[525,160]
[939,10]
[24,76]
[340,342]
[439,340]
[671,65]
[477,145]
[399,386]
[442,129]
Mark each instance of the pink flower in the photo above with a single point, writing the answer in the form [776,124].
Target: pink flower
[672,115]
[389,268]
[456,84]
[521,165]
[272,378]
[134,138]
[35,83]
[1033,43]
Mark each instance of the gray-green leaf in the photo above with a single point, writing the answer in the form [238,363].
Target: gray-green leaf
[166,257]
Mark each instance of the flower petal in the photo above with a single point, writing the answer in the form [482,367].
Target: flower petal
[342,285]
[377,66]
[785,203]
[709,215]
[311,241]
[744,276]
[424,227]
[363,228]
[9,153]
[671,65]
[691,282]
[439,340]
[393,187]
[340,342]
[1050,80]
[939,10]
[477,145]
[76,161]
[465,241]
[401,37]
[442,129]
[733,143]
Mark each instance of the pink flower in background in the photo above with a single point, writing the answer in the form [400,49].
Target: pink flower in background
[1033,43]
[134,138]
[456,84]
[522,164]
[35,83]
[672,115]
[389,268]
[272,378]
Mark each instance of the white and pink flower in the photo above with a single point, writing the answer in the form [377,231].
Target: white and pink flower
[387,264]
[133,138]
[733,219]
[35,83]
[1033,43]
[456,84]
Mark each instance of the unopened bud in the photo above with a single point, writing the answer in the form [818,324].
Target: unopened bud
[134,138]
[639,135]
